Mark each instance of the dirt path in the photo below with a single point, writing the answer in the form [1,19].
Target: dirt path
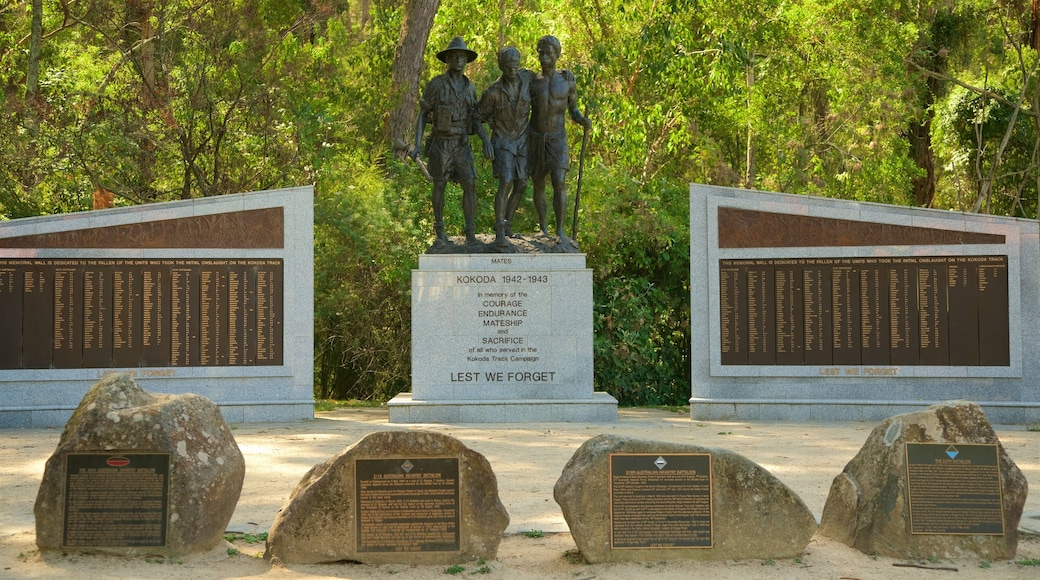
[527,459]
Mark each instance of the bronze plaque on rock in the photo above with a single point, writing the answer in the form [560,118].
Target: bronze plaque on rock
[660,500]
[407,505]
[116,500]
[954,488]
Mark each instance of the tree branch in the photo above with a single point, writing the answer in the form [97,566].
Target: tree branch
[977,90]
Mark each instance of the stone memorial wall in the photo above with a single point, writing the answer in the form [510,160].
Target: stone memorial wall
[822,309]
[187,296]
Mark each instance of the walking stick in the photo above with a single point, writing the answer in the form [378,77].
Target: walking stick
[581,173]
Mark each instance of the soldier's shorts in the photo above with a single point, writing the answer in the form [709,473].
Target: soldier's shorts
[450,159]
[509,165]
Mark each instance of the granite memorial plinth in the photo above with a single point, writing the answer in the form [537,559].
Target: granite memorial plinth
[502,338]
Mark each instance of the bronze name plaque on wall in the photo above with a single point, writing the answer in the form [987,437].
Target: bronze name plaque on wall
[919,310]
[660,501]
[116,500]
[954,489]
[407,505]
[87,313]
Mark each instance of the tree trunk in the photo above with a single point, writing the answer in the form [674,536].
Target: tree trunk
[921,152]
[750,169]
[920,132]
[1034,31]
[140,42]
[407,68]
[32,79]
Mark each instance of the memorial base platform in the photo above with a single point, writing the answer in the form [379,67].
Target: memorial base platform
[601,408]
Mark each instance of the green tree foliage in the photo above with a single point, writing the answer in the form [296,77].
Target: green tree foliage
[876,100]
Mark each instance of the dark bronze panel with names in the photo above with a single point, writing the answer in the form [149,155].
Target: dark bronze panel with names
[845,314]
[407,504]
[875,317]
[269,282]
[10,318]
[68,316]
[660,500]
[932,313]
[733,305]
[184,315]
[902,310]
[761,315]
[816,312]
[213,316]
[98,292]
[127,310]
[954,488]
[963,304]
[899,311]
[116,499]
[790,312]
[993,320]
[156,315]
[95,313]
[37,315]
[241,316]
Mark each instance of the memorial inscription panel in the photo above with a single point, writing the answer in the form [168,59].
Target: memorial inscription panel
[86,313]
[116,500]
[916,310]
[660,501]
[407,505]
[954,489]
[511,321]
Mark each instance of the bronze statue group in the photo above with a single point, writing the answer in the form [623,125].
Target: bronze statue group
[526,114]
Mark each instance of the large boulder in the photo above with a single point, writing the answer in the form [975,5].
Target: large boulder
[118,419]
[868,508]
[318,523]
[753,515]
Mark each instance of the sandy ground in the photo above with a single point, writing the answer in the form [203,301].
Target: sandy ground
[527,459]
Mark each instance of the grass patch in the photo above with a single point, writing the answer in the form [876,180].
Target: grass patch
[247,538]
[332,404]
[1033,427]
[534,534]
[1029,562]
[454,570]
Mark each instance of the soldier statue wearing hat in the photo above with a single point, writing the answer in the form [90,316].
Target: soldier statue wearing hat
[449,105]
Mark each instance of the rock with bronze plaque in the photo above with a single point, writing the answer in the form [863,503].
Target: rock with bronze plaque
[116,499]
[139,473]
[935,483]
[632,500]
[410,497]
